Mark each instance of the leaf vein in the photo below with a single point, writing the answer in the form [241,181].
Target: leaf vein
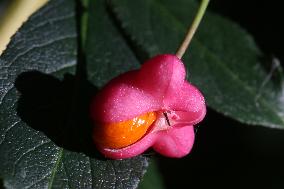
[27,152]
[38,181]
[50,42]
[54,170]
[7,130]
[51,20]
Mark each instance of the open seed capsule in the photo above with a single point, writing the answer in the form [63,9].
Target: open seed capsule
[172,104]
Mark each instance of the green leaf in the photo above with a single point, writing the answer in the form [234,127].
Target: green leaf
[108,54]
[45,131]
[222,60]
[153,178]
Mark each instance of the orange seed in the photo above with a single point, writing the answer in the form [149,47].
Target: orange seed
[124,133]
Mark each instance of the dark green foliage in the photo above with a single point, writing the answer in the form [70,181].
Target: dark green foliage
[45,131]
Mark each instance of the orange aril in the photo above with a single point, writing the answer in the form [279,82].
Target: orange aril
[124,133]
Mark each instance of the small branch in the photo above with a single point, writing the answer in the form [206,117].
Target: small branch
[192,29]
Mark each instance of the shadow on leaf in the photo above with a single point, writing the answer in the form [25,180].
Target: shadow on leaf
[58,109]
[1,184]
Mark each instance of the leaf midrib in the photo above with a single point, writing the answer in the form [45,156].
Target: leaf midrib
[55,168]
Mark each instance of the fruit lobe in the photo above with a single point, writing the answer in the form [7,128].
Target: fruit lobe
[121,134]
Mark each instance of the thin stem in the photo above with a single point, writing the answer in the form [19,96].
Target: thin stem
[192,29]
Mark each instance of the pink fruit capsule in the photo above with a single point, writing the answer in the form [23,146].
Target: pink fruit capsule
[160,87]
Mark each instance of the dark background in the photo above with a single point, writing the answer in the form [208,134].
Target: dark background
[228,154]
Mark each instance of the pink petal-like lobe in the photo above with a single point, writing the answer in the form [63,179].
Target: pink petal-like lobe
[188,104]
[161,74]
[121,100]
[175,142]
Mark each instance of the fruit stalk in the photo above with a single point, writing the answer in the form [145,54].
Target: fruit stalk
[200,13]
